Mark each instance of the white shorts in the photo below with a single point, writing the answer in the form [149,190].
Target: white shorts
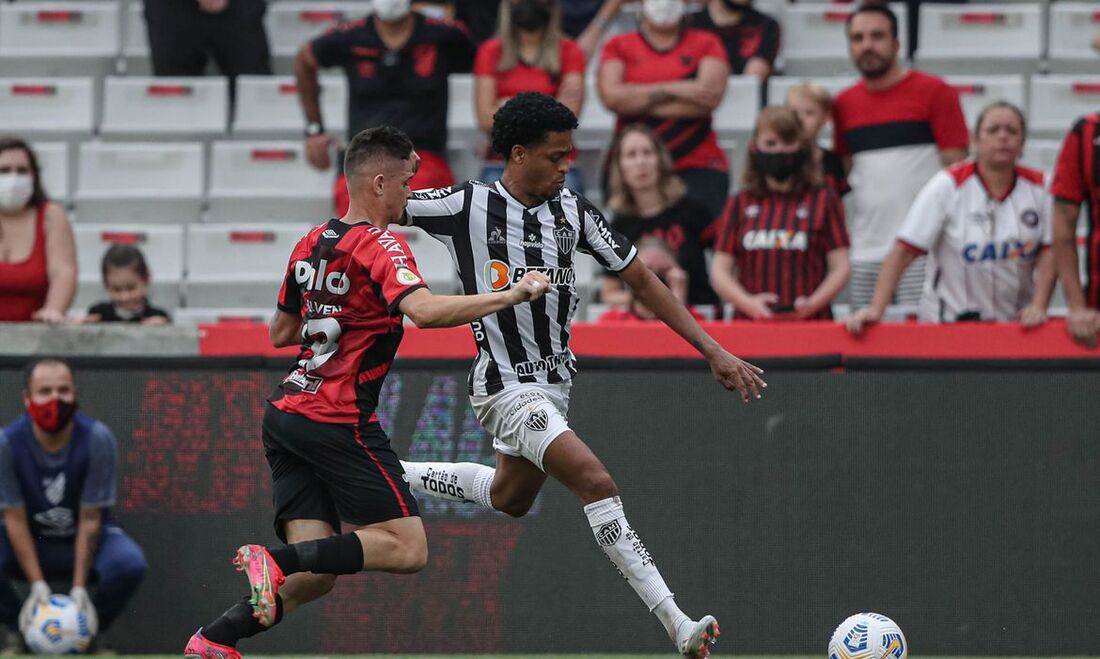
[524,418]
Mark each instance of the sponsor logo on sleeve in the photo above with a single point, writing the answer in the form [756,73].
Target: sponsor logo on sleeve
[407,277]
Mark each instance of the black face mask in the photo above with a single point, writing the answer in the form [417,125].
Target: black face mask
[779,166]
[530,15]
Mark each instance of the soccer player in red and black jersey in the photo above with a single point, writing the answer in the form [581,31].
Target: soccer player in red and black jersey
[783,249]
[1077,181]
[347,287]
[672,78]
[397,62]
[751,37]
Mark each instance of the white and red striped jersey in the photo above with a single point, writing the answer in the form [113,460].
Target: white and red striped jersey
[984,250]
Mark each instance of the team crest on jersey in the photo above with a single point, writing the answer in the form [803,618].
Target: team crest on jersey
[566,239]
[1030,218]
[609,533]
[537,421]
[752,211]
[407,277]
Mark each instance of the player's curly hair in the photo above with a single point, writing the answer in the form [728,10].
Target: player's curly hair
[526,119]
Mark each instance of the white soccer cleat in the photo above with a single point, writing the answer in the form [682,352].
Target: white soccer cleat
[698,637]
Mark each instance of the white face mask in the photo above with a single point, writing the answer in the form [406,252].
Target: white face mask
[662,12]
[15,191]
[391,11]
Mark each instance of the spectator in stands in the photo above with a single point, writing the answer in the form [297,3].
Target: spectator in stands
[660,259]
[37,249]
[126,278]
[895,129]
[479,16]
[587,20]
[649,200]
[58,480]
[751,37]
[185,35]
[397,62]
[672,78]
[814,107]
[782,248]
[530,55]
[1077,181]
[986,223]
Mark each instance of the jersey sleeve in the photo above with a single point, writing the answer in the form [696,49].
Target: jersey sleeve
[928,214]
[393,270]
[487,59]
[599,240]
[728,224]
[572,57]
[612,50]
[439,211]
[835,230]
[331,48]
[290,295]
[712,47]
[948,123]
[1069,183]
[10,494]
[101,483]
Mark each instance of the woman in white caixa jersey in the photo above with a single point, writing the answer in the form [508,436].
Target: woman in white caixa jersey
[985,222]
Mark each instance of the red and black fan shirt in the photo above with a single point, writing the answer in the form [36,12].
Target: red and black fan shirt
[755,35]
[1077,181]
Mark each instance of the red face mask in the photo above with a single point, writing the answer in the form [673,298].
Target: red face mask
[52,415]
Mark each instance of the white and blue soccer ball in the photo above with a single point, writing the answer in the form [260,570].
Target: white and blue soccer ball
[58,627]
[868,636]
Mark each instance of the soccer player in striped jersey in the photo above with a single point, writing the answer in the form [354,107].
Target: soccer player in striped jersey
[519,383]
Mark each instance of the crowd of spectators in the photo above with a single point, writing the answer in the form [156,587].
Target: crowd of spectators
[805,227]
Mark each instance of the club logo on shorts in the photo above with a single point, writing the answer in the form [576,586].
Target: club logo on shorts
[609,534]
[537,421]
[407,277]
[566,239]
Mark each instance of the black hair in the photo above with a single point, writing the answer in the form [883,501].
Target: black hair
[378,141]
[881,10]
[124,256]
[38,193]
[28,370]
[526,119]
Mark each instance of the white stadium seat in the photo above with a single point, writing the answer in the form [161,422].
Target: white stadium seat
[139,182]
[815,41]
[1073,26]
[135,39]
[142,107]
[268,108]
[58,38]
[1057,101]
[54,165]
[976,92]
[736,115]
[162,246]
[238,265]
[258,181]
[47,107]
[596,123]
[462,127]
[433,259]
[980,38]
[1041,154]
[291,24]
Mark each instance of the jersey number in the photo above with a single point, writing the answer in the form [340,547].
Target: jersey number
[323,333]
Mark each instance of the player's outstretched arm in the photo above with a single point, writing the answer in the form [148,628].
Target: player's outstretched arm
[428,310]
[731,372]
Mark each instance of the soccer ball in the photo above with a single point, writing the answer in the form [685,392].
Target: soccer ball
[868,636]
[58,627]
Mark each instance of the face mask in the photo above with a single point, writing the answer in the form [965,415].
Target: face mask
[530,15]
[391,11]
[663,12]
[15,191]
[779,166]
[52,415]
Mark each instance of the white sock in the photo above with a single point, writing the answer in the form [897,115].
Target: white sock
[466,482]
[630,557]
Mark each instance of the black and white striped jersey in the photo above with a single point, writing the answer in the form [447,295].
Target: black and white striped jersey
[494,240]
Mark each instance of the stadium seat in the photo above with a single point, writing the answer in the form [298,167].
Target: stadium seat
[1058,100]
[291,24]
[142,108]
[1073,26]
[736,115]
[47,108]
[268,108]
[462,127]
[237,265]
[433,259]
[162,246]
[596,123]
[1041,154]
[975,92]
[135,40]
[814,40]
[980,38]
[54,165]
[261,181]
[59,38]
[139,182]
[206,315]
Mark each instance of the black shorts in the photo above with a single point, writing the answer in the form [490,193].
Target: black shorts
[333,473]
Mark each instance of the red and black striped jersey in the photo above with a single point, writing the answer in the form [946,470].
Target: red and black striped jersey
[346,282]
[780,242]
[691,141]
[1077,181]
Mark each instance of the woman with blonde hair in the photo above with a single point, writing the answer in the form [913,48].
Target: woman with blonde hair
[782,248]
[530,54]
[648,199]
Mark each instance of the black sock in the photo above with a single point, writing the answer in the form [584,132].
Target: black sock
[238,622]
[339,554]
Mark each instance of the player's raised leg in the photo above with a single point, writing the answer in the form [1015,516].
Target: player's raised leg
[510,488]
[569,460]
